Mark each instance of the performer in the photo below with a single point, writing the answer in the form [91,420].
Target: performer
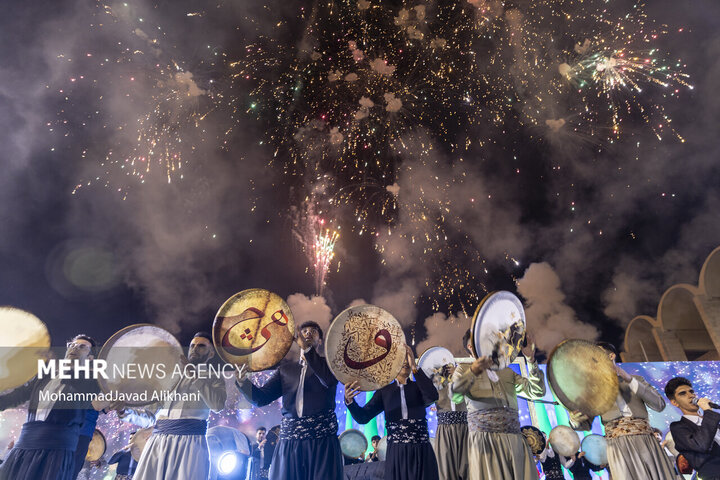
[177,449]
[308,447]
[696,434]
[552,463]
[49,438]
[126,464]
[262,454]
[409,453]
[632,449]
[496,448]
[451,438]
[374,455]
[579,467]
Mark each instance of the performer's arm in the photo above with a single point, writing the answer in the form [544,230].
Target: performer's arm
[428,391]
[17,396]
[116,457]
[699,439]
[261,396]
[567,462]
[213,392]
[463,379]
[371,409]
[647,393]
[533,385]
[320,367]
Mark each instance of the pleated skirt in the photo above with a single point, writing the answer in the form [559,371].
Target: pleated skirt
[500,456]
[37,464]
[631,457]
[451,448]
[174,457]
[309,459]
[411,461]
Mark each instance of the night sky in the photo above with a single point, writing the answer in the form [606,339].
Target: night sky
[463,189]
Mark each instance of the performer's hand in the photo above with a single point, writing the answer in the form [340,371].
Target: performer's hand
[302,341]
[622,373]
[480,365]
[352,390]
[241,373]
[577,417]
[581,454]
[529,350]
[410,358]
[704,403]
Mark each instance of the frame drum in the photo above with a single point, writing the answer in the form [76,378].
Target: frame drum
[498,328]
[353,443]
[97,447]
[24,341]
[365,344]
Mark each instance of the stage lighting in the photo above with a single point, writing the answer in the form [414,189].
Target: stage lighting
[227,463]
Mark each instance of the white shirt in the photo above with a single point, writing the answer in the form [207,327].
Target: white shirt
[44,407]
[620,401]
[301,385]
[403,403]
[697,420]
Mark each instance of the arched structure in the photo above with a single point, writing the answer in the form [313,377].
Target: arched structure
[687,326]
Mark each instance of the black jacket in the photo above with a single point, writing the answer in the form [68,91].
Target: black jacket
[697,443]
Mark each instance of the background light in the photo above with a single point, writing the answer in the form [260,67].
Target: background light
[227,463]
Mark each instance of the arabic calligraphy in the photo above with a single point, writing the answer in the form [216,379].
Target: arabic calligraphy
[382,339]
[246,334]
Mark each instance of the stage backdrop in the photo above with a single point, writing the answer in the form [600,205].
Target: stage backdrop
[704,375]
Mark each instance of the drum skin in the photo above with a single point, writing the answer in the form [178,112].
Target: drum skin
[498,329]
[141,360]
[353,443]
[24,341]
[254,327]
[582,377]
[595,448]
[97,447]
[434,359]
[564,440]
[365,344]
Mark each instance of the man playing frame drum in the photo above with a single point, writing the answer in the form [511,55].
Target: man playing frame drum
[308,447]
[177,449]
[496,448]
[632,450]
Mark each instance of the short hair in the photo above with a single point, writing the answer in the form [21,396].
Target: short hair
[314,325]
[261,428]
[673,385]
[87,338]
[375,438]
[205,335]
[466,340]
[608,347]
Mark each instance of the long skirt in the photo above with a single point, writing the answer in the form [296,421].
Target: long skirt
[500,456]
[174,457]
[451,447]
[631,457]
[38,465]
[308,459]
[410,461]
[44,451]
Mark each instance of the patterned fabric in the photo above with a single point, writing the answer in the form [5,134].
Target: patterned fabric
[451,418]
[181,426]
[411,430]
[312,426]
[264,472]
[123,477]
[627,426]
[494,420]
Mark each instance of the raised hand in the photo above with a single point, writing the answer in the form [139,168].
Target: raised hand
[480,365]
[352,390]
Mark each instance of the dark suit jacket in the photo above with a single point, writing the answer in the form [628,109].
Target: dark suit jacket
[697,443]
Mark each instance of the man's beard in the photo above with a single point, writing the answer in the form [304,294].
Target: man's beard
[198,360]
